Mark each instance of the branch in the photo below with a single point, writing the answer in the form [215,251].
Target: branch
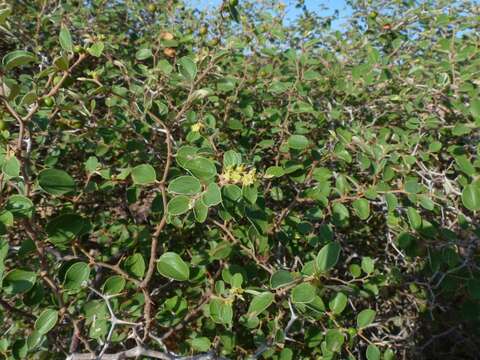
[141,351]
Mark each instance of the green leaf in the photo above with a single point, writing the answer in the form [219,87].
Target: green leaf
[297,142]
[465,165]
[114,285]
[232,192]
[340,214]
[11,167]
[34,339]
[66,39]
[96,49]
[76,276]
[135,265]
[221,311]
[250,193]
[186,185]
[212,196]
[65,228]
[143,54]
[389,355]
[274,171]
[334,340]
[471,197]
[368,264]
[303,293]
[143,174]
[414,218]
[373,353]
[20,349]
[178,205]
[17,58]
[202,168]
[187,68]
[56,182]
[365,318]
[171,265]
[231,158]
[18,281]
[328,256]
[362,208]
[475,108]
[200,210]
[201,344]
[338,303]
[392,202]
[19,206]
[280,279]
[186,153]
[46,321]
[260,303]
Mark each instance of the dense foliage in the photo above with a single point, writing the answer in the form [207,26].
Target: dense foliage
[230,184]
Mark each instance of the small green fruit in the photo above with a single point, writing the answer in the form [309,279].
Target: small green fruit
[48,101]
[233,3]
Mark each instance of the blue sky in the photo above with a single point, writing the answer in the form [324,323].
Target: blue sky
[322,7]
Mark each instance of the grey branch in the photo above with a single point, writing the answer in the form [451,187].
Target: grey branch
[141,351]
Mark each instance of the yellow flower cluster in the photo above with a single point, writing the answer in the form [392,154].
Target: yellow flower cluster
[238,174]
[197,127]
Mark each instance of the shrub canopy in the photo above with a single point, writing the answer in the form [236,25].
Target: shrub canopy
[232,184]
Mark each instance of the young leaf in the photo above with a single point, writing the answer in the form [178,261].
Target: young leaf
[144,174]
[202,168]
[328,256]
[56,182]
[18,281]
[338,303]
[46,321]
[362,208]
[178,205]
[17,58]
[373,353]
[186,185]
[334,340]
[76,276]
[66,39]
[280,279]
[135,265]
[298,142]
[365,318]
[303,293]
[414,218]
[212,196]
[188,68]
[173,267]
[471,197]
[260,303]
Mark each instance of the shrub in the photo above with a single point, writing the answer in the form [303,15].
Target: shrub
[185,184]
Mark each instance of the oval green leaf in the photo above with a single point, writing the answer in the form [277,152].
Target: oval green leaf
[143,174]
[172,266]
[186,185]
[46,321]
[56,182]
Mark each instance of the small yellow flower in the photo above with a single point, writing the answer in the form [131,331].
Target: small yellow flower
[197,127]
[249,178]
[228,301]
[227,173]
